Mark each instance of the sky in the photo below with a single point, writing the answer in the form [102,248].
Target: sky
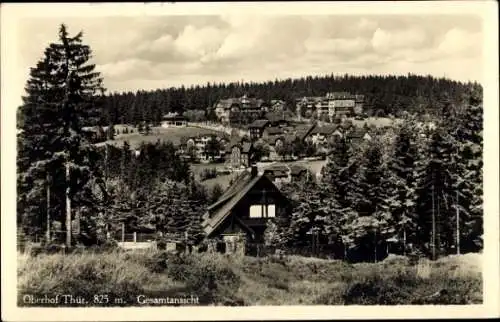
[150,52]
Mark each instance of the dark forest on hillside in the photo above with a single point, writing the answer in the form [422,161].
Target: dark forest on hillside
[384,95]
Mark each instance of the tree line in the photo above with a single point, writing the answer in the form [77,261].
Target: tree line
[384,95]
[420,186]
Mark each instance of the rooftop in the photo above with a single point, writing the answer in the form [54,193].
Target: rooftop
[324,130]
[259,124]
[274,131]
[357,133]
[219,210]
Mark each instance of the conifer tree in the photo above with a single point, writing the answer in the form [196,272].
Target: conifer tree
[61,96]
[402,165]
[338,185]
[372,200]
[432,193]
[465,195]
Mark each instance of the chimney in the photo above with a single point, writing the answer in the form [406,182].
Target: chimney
[254,171]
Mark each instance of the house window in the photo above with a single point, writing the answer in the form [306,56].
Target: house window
[262,211]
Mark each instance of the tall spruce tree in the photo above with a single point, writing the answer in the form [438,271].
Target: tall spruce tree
[466,171]
[372,199]
[338,184]
[432,193]
[61,96]
[402,166]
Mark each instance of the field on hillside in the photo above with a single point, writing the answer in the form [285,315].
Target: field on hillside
[376,121]
[222,180]
[173,135]
[217,279]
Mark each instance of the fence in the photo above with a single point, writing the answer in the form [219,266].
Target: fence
[218,127]
[319,250]
[135,237]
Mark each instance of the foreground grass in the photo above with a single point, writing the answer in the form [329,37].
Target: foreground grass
[225,280]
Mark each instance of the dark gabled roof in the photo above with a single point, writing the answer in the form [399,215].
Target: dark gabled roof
[271,139]
[274,131]
[277,170]
[297,169]
[324,130]
[277,167]
[302,131]
[173,118]
[222,207]
[238,184]
[279,116]
[340,95]
[227,103]
[258,124]
[276,173]
[357,133]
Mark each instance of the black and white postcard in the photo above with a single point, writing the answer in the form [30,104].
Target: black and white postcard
[229,161]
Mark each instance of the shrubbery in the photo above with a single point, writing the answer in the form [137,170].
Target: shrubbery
[208,174]
[226,280]
[82,275]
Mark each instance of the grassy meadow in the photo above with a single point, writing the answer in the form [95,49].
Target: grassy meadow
[228,280]
[173,135]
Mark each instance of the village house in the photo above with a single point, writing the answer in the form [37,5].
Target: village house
[278,173]
[322,108]
[247,105]
[173,120]
[240,154]
[359,101]
[257,127]
[303,131]
[272,141]
[306,105]
[332,105]
[358,135]
[320,135]
[277,105]
[275,142]
[199,144]
[280,119]
[223,107]
[272,132]
[240,215]
[340,104]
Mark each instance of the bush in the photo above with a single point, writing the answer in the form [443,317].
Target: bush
[376,291]
[158,262]
[205,276]
[110,245]
[333,296]
[161,245]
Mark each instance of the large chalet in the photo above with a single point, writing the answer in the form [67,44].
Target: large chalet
[244,209]
[334,104]
[251,106]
